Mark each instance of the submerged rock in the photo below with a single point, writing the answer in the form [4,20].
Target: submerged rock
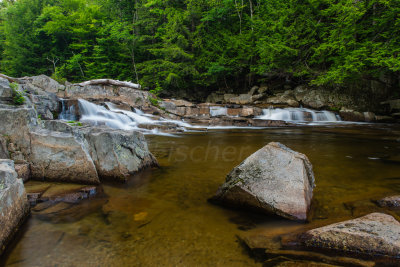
[14,206]
[373,234]
[275,179]
[391,202]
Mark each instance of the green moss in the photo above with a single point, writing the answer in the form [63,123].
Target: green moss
[334,109]
[75,123]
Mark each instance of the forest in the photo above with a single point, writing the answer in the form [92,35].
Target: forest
[198,44]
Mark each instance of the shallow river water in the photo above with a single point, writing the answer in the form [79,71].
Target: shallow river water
[162,217]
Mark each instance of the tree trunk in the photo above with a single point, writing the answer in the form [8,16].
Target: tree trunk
[110,82]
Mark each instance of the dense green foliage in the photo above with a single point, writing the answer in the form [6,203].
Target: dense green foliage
[201,44]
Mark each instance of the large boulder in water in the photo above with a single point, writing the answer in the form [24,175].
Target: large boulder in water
[275,179]
[14,206]
[118,154]
[371,235]
[60,156]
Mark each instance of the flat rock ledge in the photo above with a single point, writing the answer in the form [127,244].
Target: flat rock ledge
[375,234]
[14,206]
[273,180]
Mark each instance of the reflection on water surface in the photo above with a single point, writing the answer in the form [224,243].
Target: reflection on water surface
[162,217]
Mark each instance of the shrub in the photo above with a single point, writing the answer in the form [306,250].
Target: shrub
[156,91]
[57,76]
[18,96]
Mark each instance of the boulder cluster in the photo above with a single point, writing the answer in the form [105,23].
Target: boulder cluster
[35,146]
[347,104]
[276,180]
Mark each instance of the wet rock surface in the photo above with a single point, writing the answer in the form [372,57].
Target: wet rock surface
[390,202]
[275,179]
[375,234]
[14,206]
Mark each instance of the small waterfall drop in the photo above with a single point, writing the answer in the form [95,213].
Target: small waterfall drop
[99,115]
[122,119]
[218,111]
[68,113]
[136,116]
[299,115]
[112,116]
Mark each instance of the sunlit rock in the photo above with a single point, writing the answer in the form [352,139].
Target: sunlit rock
[275,179]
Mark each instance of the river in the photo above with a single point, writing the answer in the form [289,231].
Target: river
[162,217]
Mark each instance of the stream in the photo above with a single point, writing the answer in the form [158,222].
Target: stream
[161,217]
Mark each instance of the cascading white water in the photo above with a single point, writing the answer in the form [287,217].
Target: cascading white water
[111,116]
[67,113]
[121,119]
[299,115]
[138,118]
[99,115]
[218,111]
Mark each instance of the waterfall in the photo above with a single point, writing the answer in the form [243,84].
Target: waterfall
[67,112]
[299,115]
[99,115]
[137,116]
[218,111]
[112,116]
[122,119]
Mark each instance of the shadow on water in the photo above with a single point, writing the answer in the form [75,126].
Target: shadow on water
[162,217]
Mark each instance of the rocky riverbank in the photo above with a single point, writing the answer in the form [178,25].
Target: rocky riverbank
[349,105]
[101,137]
[34,146]
[220,109]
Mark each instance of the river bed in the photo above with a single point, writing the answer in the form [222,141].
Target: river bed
[162,217]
